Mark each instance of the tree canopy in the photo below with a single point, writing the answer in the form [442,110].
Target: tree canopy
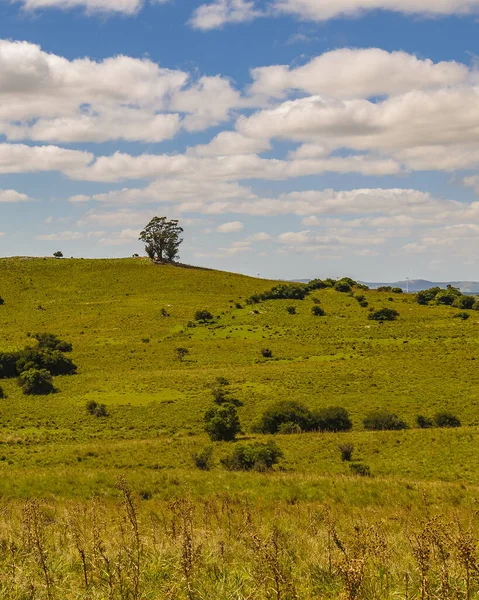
[162,239]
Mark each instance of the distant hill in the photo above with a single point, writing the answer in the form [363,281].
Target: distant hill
[416,285]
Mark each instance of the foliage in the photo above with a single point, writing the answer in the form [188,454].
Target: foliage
[446,419]
[383,420]
[52,342]
[55,362]
[451,295]
[384,288]
[181,353]
[462,315]
[203,316]
[257,456]
[36,382]
[342,286]
[2,393]
[346,451]
[267,353]
[222,423]
[318,311]
[58,254]
[287,412]
[96,409]
[289,428]
[465,302]
[358,468]
[397,290]
[384,314]
[203,459]
[333,418]
[2,301]
[162,239]
[291,310]
[424,422]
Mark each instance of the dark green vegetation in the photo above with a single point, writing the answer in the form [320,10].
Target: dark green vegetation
[151,404]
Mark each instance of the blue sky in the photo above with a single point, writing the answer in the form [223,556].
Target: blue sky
[291,138]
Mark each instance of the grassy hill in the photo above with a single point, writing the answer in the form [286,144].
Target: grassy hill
[111,310]
[310,529]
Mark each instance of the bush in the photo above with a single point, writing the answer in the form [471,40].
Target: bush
[291,310]
[203,315]
[346,451]
[2,393]
[342,286]
[256,456]
[286,412]
[2,301]
[96,409]
[222,423]
[181,353]
[384,288]
[360,469]
[397,290]
[333,418]
[267,353]
[424,422]
[317,311]
[462,315]
[204,458]
[289,428]
[382,420]
[36,382]
[384,314]
[52,342]
[446,419]
[58,254]
[465,302]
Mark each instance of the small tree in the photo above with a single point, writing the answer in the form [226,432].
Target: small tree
[346,451]
[424,422]
[257,456]
[317,311]
[96,409]
[204,458]
[58,254]
[446,419]
[382,420]
[384,314]
[287,412]
[203,316]
[36,382]
[222,423]
[162,239]
[333,418]
[181,353]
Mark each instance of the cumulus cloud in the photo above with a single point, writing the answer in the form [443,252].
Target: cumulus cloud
[11,196]
[19,158]
[231,227]
[127,7]
[218,13]
[62,236]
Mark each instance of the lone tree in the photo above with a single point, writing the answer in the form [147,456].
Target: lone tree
[162,239]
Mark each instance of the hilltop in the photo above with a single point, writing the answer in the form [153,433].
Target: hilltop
[113,312]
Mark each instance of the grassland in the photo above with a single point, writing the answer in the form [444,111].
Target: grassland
[52,449]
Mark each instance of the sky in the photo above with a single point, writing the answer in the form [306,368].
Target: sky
[290,138]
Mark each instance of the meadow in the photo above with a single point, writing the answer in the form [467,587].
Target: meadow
[125,318]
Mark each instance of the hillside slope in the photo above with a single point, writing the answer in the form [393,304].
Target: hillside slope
[111,310]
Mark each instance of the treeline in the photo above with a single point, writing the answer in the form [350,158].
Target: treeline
[451,296]
[35,366]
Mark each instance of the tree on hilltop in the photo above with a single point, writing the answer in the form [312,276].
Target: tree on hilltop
[162,239]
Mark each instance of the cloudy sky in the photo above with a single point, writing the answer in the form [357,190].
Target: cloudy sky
[291,138]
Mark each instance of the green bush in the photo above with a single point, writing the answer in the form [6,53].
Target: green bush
[52,342]
[289,428]
[342,286]
[286,411]
[384,288]
[36,382]
[346,451]
[2,301]
[462,315]
[96,409]
[204,458]
[446,419]
[2,393]
[203,315]
[256,456]
[360,469]
[382,420]
[222,423]
[267,353]
[384,314]
[317,311]
[291,310]
[397,290]
[465,302]
[333,418]
[424,422]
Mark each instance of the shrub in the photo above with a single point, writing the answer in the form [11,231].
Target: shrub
[289,428]
[181,353]
[317,284]
[364,303]
[36,382]
[342,286]
[397,290]
[333,418]
[424,422]
[286,411]
[164,313]
[384,314]
[2,301]
[346,451]
[425,296]
[384,288]
[52,342]
[360,469]
[2,393]
[317,311]
[465,302]
[316,300]
[382,420]
[291,310]
[203,316]
[257,456]
[204,458]
[58,254]
[267,353]
[462,315]
[446,419]
[96,409]
[222,423]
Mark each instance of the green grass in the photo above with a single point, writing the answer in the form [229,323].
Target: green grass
[422,363]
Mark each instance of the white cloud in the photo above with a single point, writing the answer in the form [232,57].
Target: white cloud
[125,236]
[349,73]
[63,236]
[230,143]
[220,12]
[19,158]
[262,236]
[11,196]
[127,7]
[232,227]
